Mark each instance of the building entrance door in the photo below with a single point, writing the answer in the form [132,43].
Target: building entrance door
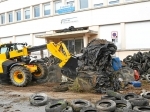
[74,45]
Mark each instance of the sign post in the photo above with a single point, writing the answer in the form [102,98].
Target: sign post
[114,37]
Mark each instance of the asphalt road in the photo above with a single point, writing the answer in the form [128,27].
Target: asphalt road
[17,102]
[16,99]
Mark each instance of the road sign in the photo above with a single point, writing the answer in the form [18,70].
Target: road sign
[114,35]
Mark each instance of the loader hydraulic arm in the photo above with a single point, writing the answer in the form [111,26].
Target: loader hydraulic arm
[58,50]
[68,63]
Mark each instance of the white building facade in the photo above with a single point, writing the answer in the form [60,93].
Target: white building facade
[38,21]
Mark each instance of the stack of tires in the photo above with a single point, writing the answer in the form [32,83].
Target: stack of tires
[61,105]
[140,62]
[130,102]
[111,102]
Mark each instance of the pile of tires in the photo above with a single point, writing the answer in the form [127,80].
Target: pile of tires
[111,102]
[140,62]
[97,57]
[130,102]
[61,105]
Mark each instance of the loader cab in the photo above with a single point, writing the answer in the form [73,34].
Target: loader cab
[4,55]
[5,50]
[9,56]
[13,46]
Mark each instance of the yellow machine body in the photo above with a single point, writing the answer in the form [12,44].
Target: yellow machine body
[59,50]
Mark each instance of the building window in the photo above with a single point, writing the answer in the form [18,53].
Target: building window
[46,9]
[37,11]
[27,13]
[98,3]
[58,4]
[70,2]
[83,4]
[74,46]
[2,18]
[18,15]
[111,2]
[10,17]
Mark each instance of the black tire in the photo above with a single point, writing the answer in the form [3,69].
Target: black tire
[20,76]
[108,97]
[114,94]
[139,102]
[118,110]
[147,77]
[55,75]
[128,58]
[38,99]
[42,71]
[111,105]
[5,80]
[78,104]
[44,80]
[142,108]
[93,105]
[67,109]
[60,88]
[123,104]
[56,106]
[146,95]
[127,110]
[130,95]
[89,109]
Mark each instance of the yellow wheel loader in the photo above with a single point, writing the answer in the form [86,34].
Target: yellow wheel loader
[16,64]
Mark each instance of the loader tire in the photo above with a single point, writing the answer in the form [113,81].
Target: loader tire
[42,71]
[20,76]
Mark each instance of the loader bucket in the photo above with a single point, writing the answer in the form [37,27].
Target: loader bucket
[69,69]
